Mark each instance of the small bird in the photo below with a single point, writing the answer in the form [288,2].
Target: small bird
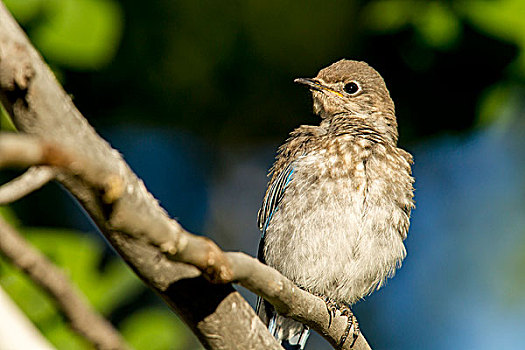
[338,202]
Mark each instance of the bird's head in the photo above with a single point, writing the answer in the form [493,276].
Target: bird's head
[353,89]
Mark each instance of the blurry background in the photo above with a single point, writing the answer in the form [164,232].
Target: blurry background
[197,95]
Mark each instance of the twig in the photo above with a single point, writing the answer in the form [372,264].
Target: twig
[216,265]
[37,104]
[19,150]
[291,301]
[30,181]
[135,224]
[72,304]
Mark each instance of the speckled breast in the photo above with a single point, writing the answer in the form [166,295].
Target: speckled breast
[339,228]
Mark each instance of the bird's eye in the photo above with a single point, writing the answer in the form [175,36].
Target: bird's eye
[351,88]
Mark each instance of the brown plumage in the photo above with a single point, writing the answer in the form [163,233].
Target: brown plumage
[338,203]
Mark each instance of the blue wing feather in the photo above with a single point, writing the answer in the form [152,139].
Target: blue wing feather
[273,197]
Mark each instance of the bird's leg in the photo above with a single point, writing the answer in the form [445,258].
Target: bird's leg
[331,306]
[351,323]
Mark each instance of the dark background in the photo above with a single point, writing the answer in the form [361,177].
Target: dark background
[197,95]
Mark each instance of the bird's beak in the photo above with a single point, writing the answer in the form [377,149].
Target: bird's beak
[315,85]
[311,83]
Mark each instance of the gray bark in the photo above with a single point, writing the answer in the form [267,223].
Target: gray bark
[150,242]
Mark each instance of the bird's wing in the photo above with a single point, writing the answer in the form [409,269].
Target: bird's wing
[273,196]
[296,147]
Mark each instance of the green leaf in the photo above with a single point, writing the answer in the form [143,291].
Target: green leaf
[502,19]
[24,10]
[6,124]
[81,34]
[500,103]
[8,215]
[80,256]
[438,25]
[38,308]
[387,15]
[155,329]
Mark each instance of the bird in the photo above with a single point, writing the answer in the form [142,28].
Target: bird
[337,207]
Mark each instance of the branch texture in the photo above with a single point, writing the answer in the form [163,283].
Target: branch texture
[30,181]
[216,265]
[38,106]
[153,244]
[83,319]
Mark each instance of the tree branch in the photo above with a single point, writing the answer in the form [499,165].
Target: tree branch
[139,229]
[83,319]
[19,150]
[182,246]
[23,151]
[29,92]
[30,181]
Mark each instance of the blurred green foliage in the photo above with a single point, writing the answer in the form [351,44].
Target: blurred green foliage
[154,329]
[503,19]
[435,22]
[107,286]
[439,24]
[6,124]
[79,34]
[225,70]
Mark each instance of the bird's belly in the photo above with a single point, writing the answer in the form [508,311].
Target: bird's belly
[333,238]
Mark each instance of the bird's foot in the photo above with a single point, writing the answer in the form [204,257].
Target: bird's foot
[331,307]
[351,323]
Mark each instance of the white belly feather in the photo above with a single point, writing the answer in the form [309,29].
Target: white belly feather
[335,234]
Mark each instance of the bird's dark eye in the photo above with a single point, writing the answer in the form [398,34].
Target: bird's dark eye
[351,88]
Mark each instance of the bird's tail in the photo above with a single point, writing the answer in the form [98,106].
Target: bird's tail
[291,334]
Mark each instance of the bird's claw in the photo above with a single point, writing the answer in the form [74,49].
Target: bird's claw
[351,323]
[332,306]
